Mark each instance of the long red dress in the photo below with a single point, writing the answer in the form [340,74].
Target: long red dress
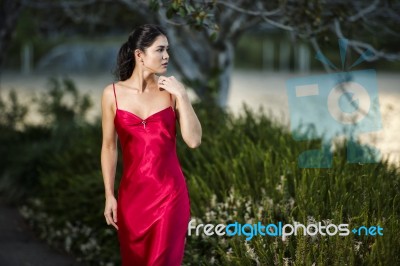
[153,208]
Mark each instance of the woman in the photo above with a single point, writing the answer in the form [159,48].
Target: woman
[152,211]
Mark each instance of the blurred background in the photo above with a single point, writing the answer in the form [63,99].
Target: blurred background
[235,57]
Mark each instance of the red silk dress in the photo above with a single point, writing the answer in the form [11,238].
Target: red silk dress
[153,208]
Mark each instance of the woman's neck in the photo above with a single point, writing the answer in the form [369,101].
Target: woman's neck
[143,80]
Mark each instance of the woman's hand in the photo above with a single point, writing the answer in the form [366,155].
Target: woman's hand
[110,211]
[172,85]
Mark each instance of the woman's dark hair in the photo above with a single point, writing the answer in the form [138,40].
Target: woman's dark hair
[140,38]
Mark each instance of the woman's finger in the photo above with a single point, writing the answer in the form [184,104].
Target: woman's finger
[109,220]
[161,79]
[115,214]
[114,224]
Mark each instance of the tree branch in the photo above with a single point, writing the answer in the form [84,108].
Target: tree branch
[369,9]
[360,47]
[250,12]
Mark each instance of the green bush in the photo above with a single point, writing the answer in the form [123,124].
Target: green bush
[245,170]
[27,148]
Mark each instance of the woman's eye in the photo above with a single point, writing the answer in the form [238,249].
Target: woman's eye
[162,49]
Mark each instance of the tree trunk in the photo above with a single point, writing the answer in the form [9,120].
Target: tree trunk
[225,67]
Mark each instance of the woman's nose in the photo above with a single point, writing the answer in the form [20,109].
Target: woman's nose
[166,55]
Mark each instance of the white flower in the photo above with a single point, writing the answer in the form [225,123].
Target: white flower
[248,206]
[251,253]
[286,261]
[67,243]
[86,230]
[225,205]
[212,260]
[250,220]
[209,216]
[327,221]
[260,212]
[291,202]
[311,220]
[231,197]
[238,203]
[229,252]
[213,200]
[357,246]
[269,201]
[25,212]
[246,216]
[108,231]
[36,202]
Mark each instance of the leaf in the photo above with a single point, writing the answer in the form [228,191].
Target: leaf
[189,8]
[154,5]
[170,13]
[213,36]
[182,12]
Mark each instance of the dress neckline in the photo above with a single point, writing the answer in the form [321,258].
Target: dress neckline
[135,115]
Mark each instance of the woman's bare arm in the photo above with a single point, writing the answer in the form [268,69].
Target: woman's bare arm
[188,121]
[109,154]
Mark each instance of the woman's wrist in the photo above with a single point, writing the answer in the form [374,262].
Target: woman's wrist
[182,96]
[109,194]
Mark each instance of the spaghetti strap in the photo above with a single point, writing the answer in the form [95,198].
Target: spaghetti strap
[115,96]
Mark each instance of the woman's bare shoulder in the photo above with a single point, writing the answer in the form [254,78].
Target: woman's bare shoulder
[108,90]
[108,95]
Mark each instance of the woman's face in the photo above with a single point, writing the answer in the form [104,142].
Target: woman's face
[155,58]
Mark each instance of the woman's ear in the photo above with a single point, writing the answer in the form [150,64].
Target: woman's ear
[139,55]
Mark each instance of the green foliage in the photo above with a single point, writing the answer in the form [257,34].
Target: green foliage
[56,109]
[194,13]
[245,170]
[12,116]
[27,148]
